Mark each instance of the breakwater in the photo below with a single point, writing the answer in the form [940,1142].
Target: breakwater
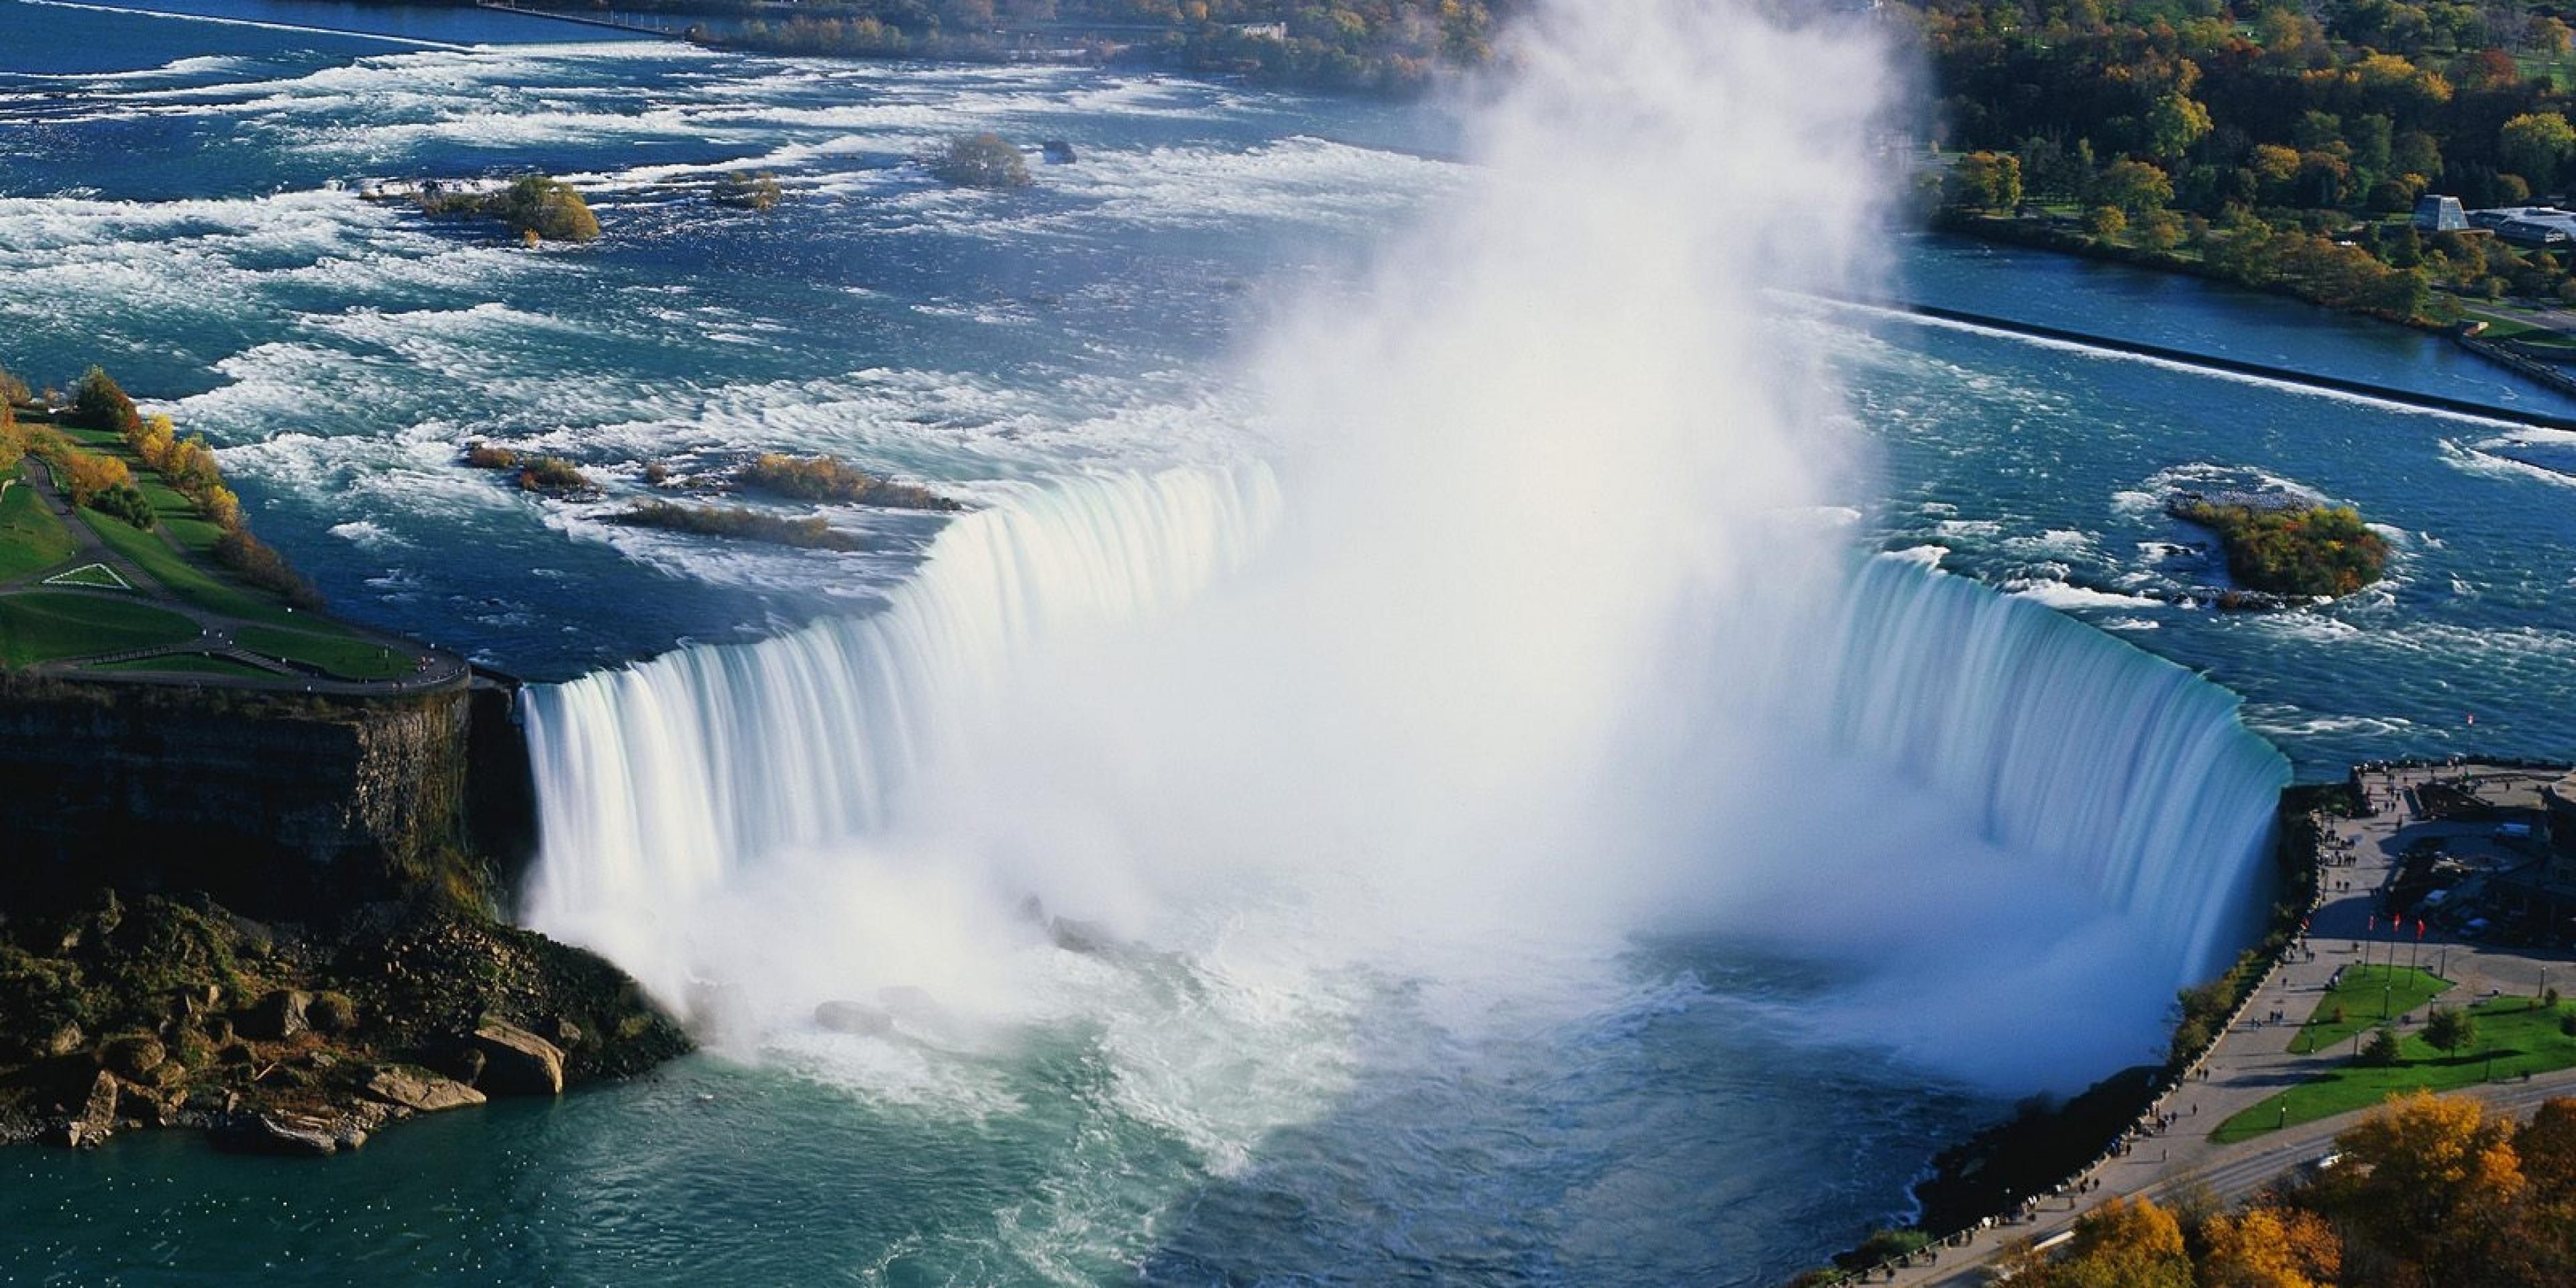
[2212,362]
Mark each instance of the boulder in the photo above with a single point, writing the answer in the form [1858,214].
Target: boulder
[517,1062]
[332,1013]
[420,1090]
[65,1040]
[1058,152]
[94,1119]
[278,1016]
[853,1017]
[134,1056]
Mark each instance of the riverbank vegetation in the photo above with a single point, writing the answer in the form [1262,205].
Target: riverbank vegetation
[828,478]
[2291,549]
[125,1012]
[2426,1190]
[2269,144]
[192,501]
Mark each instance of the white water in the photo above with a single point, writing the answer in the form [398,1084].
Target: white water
[1552,644]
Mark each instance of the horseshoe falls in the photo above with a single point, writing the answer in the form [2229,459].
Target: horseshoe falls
[662,781]
[2064,740]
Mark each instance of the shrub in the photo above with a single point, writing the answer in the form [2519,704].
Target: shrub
[981,161]
[331,1013]
[750,191]
[124,502]
[484,456]
[551,474]
[827,478]
[738,521]
[255,563]
[97,403]
[547,207]
[2294,550]
[2382,1047]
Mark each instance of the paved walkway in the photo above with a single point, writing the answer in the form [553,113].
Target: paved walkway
[2253,1060]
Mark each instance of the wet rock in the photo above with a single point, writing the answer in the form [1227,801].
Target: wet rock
[420,1090]
[517,1062]
[853,1017]
[278,1016]
[287,1133]
[1058,152]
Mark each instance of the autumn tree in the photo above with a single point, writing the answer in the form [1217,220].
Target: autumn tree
[2175,125]
[1986,181]
[2534,144]
[2134,186]
[2269,1247]
[98,403]
[2427,1177]
[2124,1244]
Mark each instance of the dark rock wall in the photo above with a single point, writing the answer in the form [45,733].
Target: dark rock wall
[278,806]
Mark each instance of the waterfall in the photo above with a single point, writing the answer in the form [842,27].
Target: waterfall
[658,781]
[663,782]
[2065,741]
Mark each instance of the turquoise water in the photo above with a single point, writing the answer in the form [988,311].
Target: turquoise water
[171,202]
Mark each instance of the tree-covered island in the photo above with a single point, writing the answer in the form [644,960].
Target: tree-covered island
[2289,548]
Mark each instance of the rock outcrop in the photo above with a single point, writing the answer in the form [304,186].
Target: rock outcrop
[518,1063]
[421,1091]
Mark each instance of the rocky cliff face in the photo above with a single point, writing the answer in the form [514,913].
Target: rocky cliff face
[277,806]
[271,916]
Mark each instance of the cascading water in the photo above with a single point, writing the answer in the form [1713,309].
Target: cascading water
[2067,742]
[659,781]
[1379,789]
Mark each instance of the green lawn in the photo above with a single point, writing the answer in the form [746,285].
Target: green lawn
[184,577]
[345,656]
[186,663]
[31,538]
[2521,1038]
[2361,997]
[41,626]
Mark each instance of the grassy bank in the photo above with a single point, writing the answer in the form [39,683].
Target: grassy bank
[2513,1038]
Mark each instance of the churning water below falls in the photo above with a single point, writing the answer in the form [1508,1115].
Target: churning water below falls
[1399,789]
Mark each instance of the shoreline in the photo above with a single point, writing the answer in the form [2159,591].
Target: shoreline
[2030,235]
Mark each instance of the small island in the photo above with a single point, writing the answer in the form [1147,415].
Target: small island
[536,207]
[740,522]
[2278,545]
[981,161]
[828,478]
